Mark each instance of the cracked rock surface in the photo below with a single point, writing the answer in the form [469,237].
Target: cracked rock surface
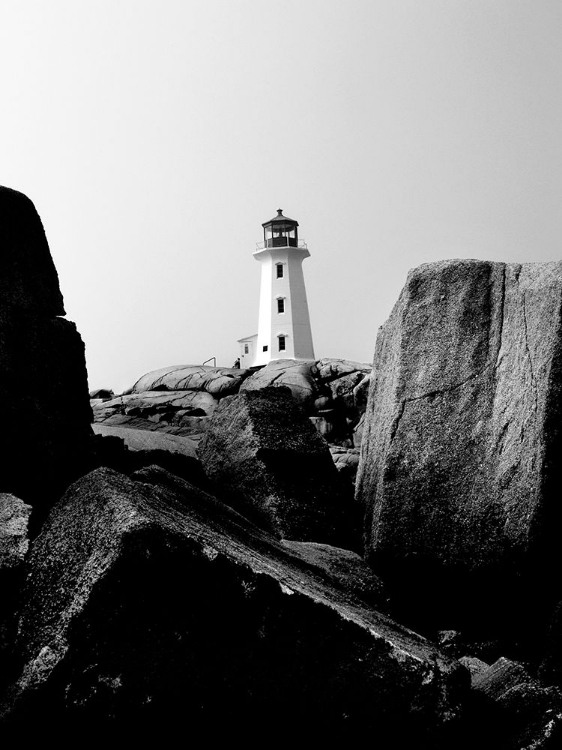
[149,601]
[459,462]
[218,381]
[269,462]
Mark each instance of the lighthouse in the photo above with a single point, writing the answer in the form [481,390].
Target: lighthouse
[283,322]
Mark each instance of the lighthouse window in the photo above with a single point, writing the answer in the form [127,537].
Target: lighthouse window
[265,348]
[279,270]
[281,343]
[281,305]
[246,349]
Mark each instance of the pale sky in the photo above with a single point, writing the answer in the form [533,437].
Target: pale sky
[156,137]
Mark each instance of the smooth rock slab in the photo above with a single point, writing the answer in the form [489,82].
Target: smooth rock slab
[154,606]
[145,440]
[218,381]
[297,375]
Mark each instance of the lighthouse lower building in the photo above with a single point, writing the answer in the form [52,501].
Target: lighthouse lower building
[284,323]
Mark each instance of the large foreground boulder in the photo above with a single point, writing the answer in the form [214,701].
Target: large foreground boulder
[269,463]
[460,461]
[154,604]
[43,382]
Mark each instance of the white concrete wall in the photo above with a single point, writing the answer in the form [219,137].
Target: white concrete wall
[294,323]
[247,360]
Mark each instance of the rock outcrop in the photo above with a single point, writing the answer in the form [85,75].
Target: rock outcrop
[29,280]
[519,711]
[268,462]
[14,520]
[43,383]
[147,605]
[333,391]
[459,470]
[14,544]
[170,407]
[297,375]
[218,381]
[147,440]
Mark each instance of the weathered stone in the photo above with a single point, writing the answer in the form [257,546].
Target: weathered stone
[178,425]
[358,432]
[43,383]
[503,675]
[101,394]
[14,519]
[149,403]
[323,426]
[475,666]
[333,369]
[297,375]
[551,666]
[146,440]
[361,393]
[343,389]
[346,461]
[344,569]
[271,464]
[46,413]
[527,714]
[14,543]
[29,279]
[218,381]
[148,606]
[460,455]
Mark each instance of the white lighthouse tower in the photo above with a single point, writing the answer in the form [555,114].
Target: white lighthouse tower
[284,323]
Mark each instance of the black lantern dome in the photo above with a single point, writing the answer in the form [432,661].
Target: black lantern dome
[280,231]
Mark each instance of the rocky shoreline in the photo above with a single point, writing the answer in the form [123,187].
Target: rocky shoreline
[324,550]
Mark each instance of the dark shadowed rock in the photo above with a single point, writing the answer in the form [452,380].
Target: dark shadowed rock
[346,461]
[14,519]
[475,666]
[459,465]
[517,709]
[270,463]
[500,677]
[46,413]
[43,383]
[147,605]
[14,543]
[551,666]
[29,279]
[344,569]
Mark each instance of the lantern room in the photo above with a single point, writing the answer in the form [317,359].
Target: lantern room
[280,231]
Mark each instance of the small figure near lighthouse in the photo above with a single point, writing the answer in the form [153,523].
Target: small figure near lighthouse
[283,323]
